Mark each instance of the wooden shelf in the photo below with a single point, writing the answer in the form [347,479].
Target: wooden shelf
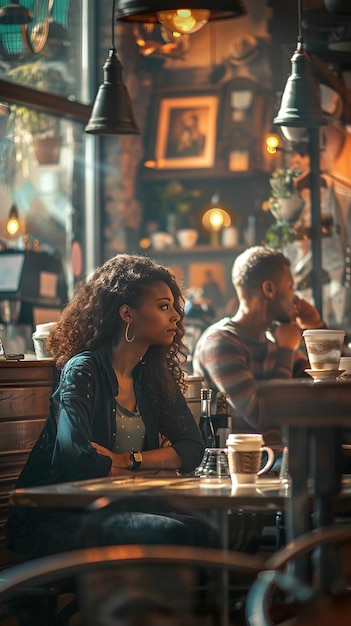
[196,250]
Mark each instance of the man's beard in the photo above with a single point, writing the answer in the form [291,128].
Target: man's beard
[283,318]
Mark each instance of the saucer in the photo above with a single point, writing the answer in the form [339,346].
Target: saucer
[324,374]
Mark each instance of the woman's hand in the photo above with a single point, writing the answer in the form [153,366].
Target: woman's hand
[120,462]
[164,457]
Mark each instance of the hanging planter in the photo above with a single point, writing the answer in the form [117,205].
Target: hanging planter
[290,208]
[47,150]
[286,205]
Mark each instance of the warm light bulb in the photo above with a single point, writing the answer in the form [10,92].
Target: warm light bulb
[184,21]
[12,226]
[215,219]
[272,143]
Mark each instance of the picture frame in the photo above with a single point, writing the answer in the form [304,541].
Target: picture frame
[186,131]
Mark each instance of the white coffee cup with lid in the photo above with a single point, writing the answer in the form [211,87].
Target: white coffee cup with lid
[245,455]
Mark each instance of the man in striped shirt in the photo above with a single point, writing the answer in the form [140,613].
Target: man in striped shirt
[261,341]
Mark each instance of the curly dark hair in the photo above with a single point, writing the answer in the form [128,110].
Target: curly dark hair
[257,264]
[92,318]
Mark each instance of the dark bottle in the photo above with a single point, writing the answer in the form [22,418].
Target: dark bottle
[206,424]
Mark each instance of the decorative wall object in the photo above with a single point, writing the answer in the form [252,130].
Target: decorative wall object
[186,131]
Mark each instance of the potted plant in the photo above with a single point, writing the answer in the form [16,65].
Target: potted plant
[174,199]
[30,127]
[285,204]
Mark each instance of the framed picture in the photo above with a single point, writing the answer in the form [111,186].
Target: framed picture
[186,131]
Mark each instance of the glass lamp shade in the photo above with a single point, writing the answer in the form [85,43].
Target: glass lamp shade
[184,21]
[15,13]
[112,112]
[147,11]
[296,134]
[300,104]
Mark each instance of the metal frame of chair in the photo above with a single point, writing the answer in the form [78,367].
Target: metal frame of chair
[276,577]
[20,579]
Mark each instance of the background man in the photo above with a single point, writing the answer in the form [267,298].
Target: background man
[261,341]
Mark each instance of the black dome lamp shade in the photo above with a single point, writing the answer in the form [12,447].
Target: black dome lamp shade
[147,11]
[112,112]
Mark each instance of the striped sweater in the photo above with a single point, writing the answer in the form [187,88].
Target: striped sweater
[232,362]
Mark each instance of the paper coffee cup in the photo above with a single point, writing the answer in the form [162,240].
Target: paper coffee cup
[245,456]
[324,348]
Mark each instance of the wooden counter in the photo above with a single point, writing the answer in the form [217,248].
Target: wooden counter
[25,389]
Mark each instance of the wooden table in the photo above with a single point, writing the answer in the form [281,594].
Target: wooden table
[311,415]
[189,493]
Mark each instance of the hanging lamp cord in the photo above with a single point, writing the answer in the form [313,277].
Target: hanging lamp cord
[299,19]
[113,24]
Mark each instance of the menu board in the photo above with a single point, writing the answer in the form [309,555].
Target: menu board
[11,267]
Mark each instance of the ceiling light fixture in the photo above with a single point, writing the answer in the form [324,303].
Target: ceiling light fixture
[184,21]
[112,112]
[182,18]
[301,111]
[300,107]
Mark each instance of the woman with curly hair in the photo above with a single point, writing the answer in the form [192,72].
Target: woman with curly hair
[118,407]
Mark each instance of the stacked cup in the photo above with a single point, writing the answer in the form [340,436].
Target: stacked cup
[324,349]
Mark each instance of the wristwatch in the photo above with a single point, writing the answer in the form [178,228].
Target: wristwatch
[136,459]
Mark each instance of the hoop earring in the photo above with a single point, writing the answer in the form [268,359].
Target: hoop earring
[128,340]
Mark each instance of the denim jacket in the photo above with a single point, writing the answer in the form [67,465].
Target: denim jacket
[83,409]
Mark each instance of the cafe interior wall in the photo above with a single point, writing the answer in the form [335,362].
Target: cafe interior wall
[128,187]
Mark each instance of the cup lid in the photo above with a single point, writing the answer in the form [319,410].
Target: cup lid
[323,331]
[244,438]
[44,328]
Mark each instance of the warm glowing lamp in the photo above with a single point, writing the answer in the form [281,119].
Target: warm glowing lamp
[272,143]
[214,219]
[12,225]
[184,21]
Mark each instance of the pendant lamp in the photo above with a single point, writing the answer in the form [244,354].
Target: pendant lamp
[112,112]
[300,107]
[13,222]
[177,17]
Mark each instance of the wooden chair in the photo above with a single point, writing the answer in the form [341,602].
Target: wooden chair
[277,595]
[119,583]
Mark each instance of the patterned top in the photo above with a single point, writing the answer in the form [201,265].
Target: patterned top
[232,362]
[130,430]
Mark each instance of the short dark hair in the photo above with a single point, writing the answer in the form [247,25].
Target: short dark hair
[257,264]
